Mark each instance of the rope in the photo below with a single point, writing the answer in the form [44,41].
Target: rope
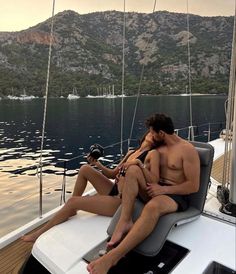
[122,84]
[45,113]
[140,82]
[189,79]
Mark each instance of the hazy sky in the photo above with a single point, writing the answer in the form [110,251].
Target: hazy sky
[21,14]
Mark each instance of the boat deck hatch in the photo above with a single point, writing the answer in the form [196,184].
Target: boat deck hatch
[169,256]
[215,267]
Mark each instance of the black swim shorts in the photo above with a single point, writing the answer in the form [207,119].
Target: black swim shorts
[181,200]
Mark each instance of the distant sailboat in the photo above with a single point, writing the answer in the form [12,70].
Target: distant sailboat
[186,92]
[12,96]
[74,94]
[101,93]
[61,96]
[111,92]
[24,96]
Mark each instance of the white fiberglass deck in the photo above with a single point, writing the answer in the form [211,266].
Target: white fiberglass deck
[219,147]
[61,249]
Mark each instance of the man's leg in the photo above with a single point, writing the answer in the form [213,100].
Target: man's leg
[133,184]
[98,204]
[145,224]
[100,182]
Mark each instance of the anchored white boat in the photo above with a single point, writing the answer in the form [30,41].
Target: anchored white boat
[74,95]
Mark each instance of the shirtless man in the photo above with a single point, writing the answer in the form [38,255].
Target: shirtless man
[179,177]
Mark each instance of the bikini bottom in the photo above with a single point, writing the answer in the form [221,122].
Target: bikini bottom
[114,191]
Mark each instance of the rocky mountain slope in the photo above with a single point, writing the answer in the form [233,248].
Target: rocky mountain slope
[87,54]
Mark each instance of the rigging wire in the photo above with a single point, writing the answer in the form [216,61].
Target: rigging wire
[140,80]
[123,82]
[45,112]
[189,78]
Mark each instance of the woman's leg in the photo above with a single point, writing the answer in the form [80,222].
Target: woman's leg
[98,204]
[134,184]
[100,182]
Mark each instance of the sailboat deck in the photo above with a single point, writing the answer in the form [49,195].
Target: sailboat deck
[14,255]
[217,169]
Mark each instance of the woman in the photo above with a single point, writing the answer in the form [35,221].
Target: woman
[108,195]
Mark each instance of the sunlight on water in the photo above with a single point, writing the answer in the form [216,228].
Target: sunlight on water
[19,197]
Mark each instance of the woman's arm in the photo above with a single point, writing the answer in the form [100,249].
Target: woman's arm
[152,173]
[109,172]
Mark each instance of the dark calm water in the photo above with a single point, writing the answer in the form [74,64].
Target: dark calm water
[73,125]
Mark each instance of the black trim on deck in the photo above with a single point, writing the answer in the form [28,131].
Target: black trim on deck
[32,266]
[164,262]
[217,268]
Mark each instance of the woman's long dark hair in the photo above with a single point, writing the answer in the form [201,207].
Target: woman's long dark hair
[155,144]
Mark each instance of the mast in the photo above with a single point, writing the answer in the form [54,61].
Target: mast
[232,197]
[230,207]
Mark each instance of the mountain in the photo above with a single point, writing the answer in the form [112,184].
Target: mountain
[87,54]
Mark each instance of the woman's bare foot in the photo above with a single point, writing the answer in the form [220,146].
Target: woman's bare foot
[101,265]
[121,230]
[31,237]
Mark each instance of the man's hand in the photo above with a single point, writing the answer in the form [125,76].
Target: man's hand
[154,190]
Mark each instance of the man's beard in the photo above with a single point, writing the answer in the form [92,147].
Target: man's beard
[159,143]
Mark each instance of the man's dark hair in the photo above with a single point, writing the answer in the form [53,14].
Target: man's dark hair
[159,122]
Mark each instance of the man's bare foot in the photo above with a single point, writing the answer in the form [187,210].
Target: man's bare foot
[101,265]
[121,230]
[31,237]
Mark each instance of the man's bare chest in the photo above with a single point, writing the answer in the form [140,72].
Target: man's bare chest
[171,159]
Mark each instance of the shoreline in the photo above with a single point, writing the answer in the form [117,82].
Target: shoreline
[114,97]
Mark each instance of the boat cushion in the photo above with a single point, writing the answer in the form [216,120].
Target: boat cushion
[165,224]
[204,155]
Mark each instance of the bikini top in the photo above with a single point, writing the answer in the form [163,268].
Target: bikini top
[142,156]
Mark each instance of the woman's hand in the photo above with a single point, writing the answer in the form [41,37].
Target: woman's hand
[154,190]
[137,162]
